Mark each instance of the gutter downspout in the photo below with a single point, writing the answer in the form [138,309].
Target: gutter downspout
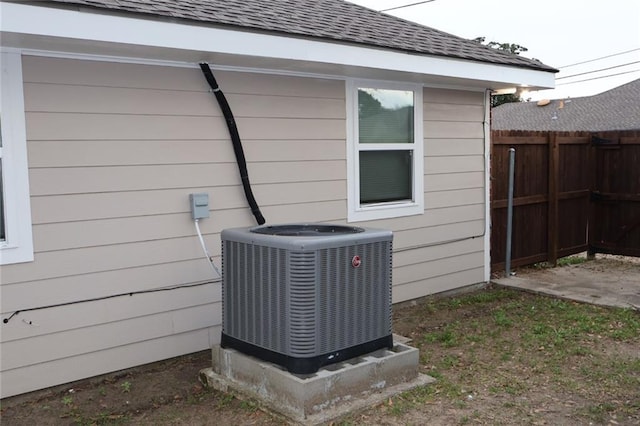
[235,139]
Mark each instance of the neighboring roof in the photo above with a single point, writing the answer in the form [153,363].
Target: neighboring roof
[616,109]
[335,20]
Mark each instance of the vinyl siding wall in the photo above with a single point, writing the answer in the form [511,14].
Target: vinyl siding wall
[114,151]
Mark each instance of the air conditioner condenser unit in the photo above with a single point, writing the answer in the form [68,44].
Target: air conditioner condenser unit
[306,295]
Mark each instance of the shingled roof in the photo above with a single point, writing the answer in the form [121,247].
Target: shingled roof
[616,109]
[334,20]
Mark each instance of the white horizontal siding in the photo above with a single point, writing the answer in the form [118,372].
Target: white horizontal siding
[83,153]
[455,97]
[458,197]
[440,283]
[452,147]
[74,126]
[435,252]
[123,230]
[432,217]
[69,343]
[453,181]
[123,75]
[455,164]
[454,129]
[63,208]
[145,262]
[60,98]
[114,151]
[85,180]
[438,234]
[437,268]
[45,374]
[452,112]
[84,315]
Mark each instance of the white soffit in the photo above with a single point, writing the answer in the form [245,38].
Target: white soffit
[42,28]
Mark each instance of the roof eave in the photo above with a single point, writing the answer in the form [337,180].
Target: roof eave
[54,29]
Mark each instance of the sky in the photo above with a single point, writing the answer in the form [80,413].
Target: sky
[560,33]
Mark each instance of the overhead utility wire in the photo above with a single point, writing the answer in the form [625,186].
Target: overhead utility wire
[601,69]
[597,78]
[406,5]
[602,57]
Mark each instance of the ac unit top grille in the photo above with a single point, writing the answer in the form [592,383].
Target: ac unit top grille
[306,230]
[304,237]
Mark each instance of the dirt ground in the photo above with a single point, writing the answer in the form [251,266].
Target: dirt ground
[500,357]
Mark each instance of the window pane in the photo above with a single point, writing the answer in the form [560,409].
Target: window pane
[385,176]
[385,116]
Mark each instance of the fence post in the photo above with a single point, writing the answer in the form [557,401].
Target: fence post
[512,164]
[552,229]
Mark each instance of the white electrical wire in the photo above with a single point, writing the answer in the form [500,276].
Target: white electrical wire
[204,249]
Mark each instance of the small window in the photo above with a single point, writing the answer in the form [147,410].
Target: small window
[16,244]
[385,154]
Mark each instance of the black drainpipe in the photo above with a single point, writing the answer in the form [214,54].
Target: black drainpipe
[235,139]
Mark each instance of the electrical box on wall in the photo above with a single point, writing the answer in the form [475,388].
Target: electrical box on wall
[199,205]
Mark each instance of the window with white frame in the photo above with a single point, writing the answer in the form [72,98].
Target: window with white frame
[16,243]
[385,150]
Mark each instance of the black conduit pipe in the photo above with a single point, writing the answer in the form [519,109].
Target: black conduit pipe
[235,139]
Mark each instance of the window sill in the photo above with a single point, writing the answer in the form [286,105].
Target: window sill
[385,211]
[15,254]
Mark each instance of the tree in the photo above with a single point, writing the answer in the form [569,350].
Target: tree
[367,104]
[512,48]
[504,99]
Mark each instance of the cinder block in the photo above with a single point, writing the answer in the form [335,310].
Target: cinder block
[332,392]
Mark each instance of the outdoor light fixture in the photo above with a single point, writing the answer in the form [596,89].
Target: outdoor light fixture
[507,91]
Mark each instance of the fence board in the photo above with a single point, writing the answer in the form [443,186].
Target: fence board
[554,171]
[551,195]
[615,212]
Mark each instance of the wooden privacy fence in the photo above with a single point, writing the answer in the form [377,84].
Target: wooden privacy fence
[573,191]
[614,224]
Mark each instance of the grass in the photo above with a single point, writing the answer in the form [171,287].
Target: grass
[126,386]
[499,357]
[571,260]
[563,261]
[511,345]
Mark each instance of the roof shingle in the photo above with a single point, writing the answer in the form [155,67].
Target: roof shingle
[616,109]
[335,20]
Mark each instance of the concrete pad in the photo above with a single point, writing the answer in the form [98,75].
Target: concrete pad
[332,392]
[603,281]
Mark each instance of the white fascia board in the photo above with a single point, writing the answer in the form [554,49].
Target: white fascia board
[23,19]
